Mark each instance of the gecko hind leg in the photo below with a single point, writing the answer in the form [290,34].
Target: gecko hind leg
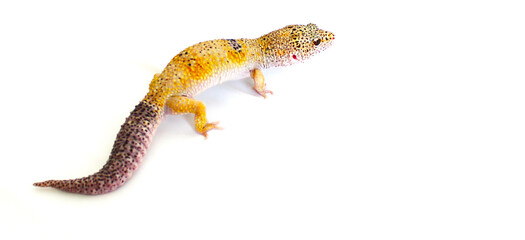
[181,105]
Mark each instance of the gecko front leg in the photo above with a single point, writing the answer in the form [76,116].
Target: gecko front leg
[181,104]
[260,85]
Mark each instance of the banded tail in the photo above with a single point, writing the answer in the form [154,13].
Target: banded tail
[129,148]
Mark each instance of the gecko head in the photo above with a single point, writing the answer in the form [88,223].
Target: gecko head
[295,43]
[308,40]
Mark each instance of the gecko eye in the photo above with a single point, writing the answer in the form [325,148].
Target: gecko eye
[317,42]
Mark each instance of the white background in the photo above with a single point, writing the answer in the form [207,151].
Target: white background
[412,126]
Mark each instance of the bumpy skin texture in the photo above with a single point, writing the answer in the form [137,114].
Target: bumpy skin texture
[129,148]
[193,70]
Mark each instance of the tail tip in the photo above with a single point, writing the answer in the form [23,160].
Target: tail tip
[43,184]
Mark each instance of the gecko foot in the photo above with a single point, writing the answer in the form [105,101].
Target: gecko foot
[208,127]
[263,92]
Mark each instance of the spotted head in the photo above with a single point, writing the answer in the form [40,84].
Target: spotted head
[294,43]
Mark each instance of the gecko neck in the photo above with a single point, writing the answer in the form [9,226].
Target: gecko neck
[265,52]
[273,52]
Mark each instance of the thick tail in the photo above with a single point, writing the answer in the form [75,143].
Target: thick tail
[129,148]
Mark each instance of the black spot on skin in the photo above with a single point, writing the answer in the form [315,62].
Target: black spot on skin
[234,44]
